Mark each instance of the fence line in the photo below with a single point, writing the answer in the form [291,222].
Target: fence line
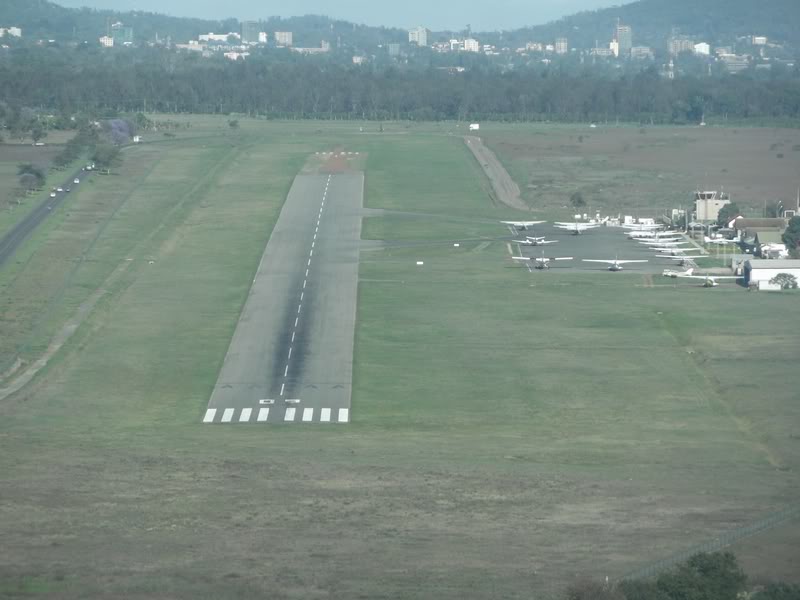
[718,543]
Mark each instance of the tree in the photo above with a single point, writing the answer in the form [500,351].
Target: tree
[37,133]
[34,171]
[715,576]
[28,182]
[577,199]
[791,237]
[106,156]
[787,281]
[233,123]
[779,591]
[727,214]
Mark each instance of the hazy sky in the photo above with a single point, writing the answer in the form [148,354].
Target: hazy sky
[483,15]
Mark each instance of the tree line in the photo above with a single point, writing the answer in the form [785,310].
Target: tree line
[159,80]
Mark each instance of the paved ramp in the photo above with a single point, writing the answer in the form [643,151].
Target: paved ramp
[291,356]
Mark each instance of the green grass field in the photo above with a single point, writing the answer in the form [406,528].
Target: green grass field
[511,431]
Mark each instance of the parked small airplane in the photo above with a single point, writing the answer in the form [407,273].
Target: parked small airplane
[540,262]
[671,251]
[681,261]
[576,228]
[664,242]
[708,280]
[643,226]
[648,233]
[523,225]
[614,265]
[720,241]
[535,241]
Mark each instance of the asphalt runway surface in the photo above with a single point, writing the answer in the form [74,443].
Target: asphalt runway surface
[291,356]
[14,238]
[603,243]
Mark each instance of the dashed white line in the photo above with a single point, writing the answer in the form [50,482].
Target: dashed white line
[304,283]
[283,387]
[301,296]
[306,272]
[294,333]
[286,371]
[296,321]
[299,308]
[290,352]
[309,262]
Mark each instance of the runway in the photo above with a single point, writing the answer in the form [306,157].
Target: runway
[291,357]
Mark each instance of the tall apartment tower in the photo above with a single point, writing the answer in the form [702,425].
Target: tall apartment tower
[418,36]
[623,35]
[562,45]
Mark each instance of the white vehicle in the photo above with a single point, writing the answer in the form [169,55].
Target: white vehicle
[59,189]
[52,194]
[76,181]
[540,262]
[614,265]
[535,241]
[576,228]
[523,225]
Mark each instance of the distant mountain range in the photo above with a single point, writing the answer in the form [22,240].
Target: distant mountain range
[652,21]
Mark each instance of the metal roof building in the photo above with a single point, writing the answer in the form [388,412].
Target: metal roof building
[761,272]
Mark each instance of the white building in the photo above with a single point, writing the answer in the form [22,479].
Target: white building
[702,49]
[284,38]
[761,273]
[234,56]
[217,37]
[359,60]
[471,45]
[107,41]
[418,36]
[262,37]
[10,32]
[708,203]
[759,40]
[562,45]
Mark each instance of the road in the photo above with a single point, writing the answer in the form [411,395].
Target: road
[14,238]
[291,356]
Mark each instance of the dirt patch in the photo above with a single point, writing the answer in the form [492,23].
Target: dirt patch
[506,191]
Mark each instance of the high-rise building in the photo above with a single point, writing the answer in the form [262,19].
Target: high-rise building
[250,31]
[562,45]
[418,36]
[623,34]
[283,38]
[678,44]
[107,41]
[471,45]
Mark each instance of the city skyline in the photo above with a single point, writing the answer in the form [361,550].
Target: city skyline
[501,15]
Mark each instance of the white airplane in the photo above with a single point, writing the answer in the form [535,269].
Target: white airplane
[665,242]
[636,234]
[576,228]
[642,226]
[540,262]
[614,265]
[720,241]
[708,280]
[674,251]
[534,241]
[522,224]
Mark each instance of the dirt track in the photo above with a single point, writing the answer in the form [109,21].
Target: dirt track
[506,191]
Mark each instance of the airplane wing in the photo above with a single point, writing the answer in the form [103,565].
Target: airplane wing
[548,241]
[625,262]
[523,223]
[527,258]
[561,258]
[608,262]
[708,277]
[526,242]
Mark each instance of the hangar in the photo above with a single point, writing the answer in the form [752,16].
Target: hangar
[761,273]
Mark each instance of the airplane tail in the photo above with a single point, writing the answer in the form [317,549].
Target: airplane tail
[690,271]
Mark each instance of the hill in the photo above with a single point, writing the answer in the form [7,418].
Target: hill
[714,21]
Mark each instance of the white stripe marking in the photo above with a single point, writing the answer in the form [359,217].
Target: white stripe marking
[263,414]
[311,253]
[313,243]
[306,272]
[325,415]
[301,296]
[304,283]
[227,416]
[210,414]
[309,262]
[296,321]
[293,334]
[290,353]
[245,416]
[344,415]
[308,415]
[286,371]
[299,308]
[289,416]
[283,386]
